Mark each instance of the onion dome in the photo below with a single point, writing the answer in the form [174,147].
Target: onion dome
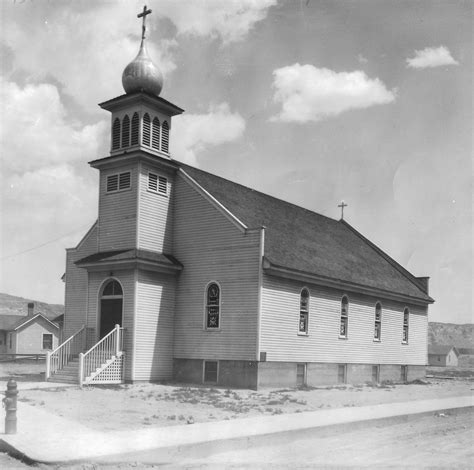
[142,74]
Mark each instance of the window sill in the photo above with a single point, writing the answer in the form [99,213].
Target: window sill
[118,191]
[300,333]
[405,343]
[342,337]
[157,192]
[213,330]
[377,340]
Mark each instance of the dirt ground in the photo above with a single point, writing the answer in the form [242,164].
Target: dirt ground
[117,407]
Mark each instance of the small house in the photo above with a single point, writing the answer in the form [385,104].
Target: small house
[442,355]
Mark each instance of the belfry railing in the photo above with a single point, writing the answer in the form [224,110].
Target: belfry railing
[65,352]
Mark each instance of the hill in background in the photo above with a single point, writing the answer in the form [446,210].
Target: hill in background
[451,334]
[12,305]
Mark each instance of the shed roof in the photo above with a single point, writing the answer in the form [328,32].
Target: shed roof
[305,241]
[441,349]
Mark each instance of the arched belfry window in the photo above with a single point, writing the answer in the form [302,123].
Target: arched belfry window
[116,134]
[304,311]
[344,317]
[155,135]
[135,129]
[406,315]
[165,138]
[378,322]
[146,129]
[213,306]
[126,131]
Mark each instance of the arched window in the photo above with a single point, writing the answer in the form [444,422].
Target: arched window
[146,129]
[165,138]
[344,317]
[112,288]
[213,305]
[116,134]
[406,314]
[155,135]
[378,322]
[126,131]
[304,311]
[135,129]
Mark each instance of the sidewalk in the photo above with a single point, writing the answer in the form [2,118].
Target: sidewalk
[48,438]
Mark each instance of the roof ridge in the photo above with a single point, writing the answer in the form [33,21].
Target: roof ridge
[387,258]
[257,191]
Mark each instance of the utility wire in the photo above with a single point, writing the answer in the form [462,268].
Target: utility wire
[44,244]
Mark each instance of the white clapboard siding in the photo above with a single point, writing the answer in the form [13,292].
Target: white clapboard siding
[153,355]
[155,213]
[279,327]
[75,311]
[211,248]
[127,280]
[118,213]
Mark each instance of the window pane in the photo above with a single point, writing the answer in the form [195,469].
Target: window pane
[47,341]
[303,322]
[210,371]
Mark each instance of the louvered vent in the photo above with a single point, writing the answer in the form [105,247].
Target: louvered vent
[112,183]
[152,182]
[162,185]
[124,180]
[116,134]
[135,128]
[146,130]
[165,138]
[126,131]
[155,137]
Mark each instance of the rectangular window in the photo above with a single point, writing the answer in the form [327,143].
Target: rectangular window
[300,374]
[341,373]
[157,184]
[404,373]
[210,372]
[47,341]
[118,182]
[405,326]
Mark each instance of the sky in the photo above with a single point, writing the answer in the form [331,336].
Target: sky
[311,101]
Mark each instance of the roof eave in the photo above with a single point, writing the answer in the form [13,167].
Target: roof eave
[124,100]
[289,273]
[147,265]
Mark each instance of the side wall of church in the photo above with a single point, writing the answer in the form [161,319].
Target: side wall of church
[153,358]
[212,248]
[155,227]
[75,312]
[117,223]
[280,318]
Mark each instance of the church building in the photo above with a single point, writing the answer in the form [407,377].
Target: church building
[189,277]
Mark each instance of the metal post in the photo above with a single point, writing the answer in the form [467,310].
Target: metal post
[9,403]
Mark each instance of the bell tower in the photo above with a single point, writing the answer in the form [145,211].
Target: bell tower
[136,179]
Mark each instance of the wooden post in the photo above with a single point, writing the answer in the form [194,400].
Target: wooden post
[117,340]
[81,369]
[48,365]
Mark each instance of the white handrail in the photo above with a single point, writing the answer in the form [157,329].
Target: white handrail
[110,345]
[61,356]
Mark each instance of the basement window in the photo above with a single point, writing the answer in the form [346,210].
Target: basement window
[210,371]
[118,182]
[342,373]
[157,184]
[47,341]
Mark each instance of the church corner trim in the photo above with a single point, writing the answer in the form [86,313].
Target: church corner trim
[209,197]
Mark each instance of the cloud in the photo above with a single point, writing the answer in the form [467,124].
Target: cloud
[35,130]
[308,93]
[431,57]
[231,20]
[200,131]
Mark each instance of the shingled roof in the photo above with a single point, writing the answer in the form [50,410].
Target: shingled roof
[301,240]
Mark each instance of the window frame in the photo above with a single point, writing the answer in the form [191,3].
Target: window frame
[406,325]
[204,363]
[344,318]
[43,339]
[118,176]
[207,307]
[378,323]
[304,312]
[157,190]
